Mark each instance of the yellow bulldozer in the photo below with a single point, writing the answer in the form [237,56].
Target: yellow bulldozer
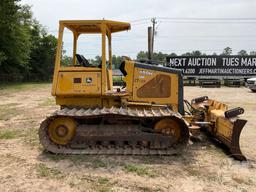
[147,116]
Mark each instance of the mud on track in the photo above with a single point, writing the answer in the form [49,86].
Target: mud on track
[24,166]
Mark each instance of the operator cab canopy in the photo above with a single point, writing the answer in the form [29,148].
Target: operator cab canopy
[102,27]
[95,26]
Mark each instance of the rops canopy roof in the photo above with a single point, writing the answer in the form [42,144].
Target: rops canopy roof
[94,26]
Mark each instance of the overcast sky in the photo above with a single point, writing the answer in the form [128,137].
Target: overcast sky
[172,35]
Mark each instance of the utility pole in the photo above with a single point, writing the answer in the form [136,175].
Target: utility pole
[150,43]
[151,36]
[153,20]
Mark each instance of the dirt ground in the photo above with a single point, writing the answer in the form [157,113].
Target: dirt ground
[24,166]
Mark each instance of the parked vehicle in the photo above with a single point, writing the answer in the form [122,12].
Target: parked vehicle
[251,84]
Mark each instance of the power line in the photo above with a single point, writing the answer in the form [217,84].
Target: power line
[209,18]
[192,49]
[209,36]
[136,24]
[140,20]
[210,22]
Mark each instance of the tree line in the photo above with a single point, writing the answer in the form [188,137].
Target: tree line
[25,46]
[162,56]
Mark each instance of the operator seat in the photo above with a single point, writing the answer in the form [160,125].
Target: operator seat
[122,68]
[81,59]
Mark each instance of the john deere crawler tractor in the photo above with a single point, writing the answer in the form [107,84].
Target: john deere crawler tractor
[145,117]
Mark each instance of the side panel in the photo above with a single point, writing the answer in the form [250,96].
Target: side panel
[161,84]
[79,101]
[78,83]
[158,85]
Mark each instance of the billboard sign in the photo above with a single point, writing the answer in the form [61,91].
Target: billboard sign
[234,65]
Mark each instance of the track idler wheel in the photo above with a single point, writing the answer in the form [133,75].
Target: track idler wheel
[174,127]
[62,130]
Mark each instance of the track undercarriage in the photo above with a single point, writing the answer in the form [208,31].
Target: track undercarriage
[114,131]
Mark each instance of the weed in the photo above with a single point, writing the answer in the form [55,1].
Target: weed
[98,163]
[101,184]
[141,171]
[144,189]
[8,134]
[105,189]
[44,171]
[103,180]
[55,157]
[75,159]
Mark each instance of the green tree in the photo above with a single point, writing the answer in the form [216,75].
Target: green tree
[159,56]
[156,56]
[97,60]
[116,61]
[42,52]
[43,55]
[253,53]
[173,54]
[25,47]
[242,53]
[227,51]
[3,57]
[193,53]
[142,55]
[196,53]
[15,37]
[186,54]
[67,61]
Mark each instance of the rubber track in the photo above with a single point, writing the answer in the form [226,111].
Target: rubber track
[103,150]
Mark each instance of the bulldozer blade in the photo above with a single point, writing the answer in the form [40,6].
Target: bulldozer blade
[228,133]
[223,125]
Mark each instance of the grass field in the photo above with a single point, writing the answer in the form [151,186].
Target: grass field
[24,166]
